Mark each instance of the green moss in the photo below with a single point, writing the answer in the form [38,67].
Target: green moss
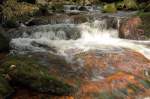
[5,88]
[110,8]
[27,72]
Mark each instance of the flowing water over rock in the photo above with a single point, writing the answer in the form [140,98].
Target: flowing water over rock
[89,56]
[66,39]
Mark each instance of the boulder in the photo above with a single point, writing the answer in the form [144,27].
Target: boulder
[129,29]
[117,74]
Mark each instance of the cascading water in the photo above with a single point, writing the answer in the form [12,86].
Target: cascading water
[70,39]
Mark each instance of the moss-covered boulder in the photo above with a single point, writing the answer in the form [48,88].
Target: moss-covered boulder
[25,71]
[110,8]
[4,43]
[5,88]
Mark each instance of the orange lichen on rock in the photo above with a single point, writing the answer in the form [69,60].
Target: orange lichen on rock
[90,87]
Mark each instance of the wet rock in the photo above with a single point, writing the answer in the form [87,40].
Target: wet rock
[5,88]
[93,74]
[104,68]
[4,43]
[120,74]
[77,19]
[36,21]
[82,8]
[129,29]
[25,71]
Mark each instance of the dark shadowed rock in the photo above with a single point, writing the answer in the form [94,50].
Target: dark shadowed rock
[4,43]
[82,8]
[36,21]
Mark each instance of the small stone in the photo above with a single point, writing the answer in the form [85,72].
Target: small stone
[12,66]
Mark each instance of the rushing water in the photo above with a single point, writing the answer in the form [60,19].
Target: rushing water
[70,39]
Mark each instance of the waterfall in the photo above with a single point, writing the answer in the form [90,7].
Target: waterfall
[70,39]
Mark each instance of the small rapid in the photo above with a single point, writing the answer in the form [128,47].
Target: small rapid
[70,39]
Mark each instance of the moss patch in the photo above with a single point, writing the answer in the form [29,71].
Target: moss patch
[27,72]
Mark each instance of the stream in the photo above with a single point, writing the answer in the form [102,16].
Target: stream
[99,63]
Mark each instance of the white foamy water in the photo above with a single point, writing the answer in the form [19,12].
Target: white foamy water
[64,39]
